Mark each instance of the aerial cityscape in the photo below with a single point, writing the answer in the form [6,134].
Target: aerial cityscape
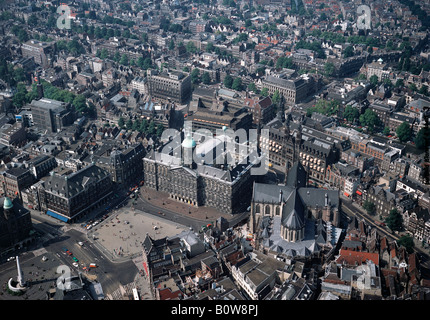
[215,150]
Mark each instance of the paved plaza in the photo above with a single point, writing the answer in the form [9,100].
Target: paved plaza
[121,235]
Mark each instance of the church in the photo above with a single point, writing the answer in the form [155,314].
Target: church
[294,220]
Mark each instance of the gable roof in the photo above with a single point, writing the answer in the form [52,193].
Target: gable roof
[350,257]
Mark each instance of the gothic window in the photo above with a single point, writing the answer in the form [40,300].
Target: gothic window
[257,208]
[267,210]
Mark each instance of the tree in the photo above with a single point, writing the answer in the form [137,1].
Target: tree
[422,140]
[19,99]
[32,20]
[171,44]
[143,126]
[195,76]
[237,84]
[124,60]
[349,52]
[159,130]
[264,92]
[399,83]
[394,220]
[104,53]
[252,87]
[136,125]
[276,97]
[408,242]
[329,69]
[210,47]
[370,120]
[374,80]
[369,207]
[228,81]
[121,122]
[404,132]
[206,78]
[79,102]
[151,128]
[191,48]
[386,131]
[129,124]
[351,114]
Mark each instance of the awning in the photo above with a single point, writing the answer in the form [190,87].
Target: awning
[346,194]
[57,216]
[358,192]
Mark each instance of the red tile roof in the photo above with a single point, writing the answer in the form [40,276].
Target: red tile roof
[352,258]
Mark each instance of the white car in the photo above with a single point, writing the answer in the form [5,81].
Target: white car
[75,265]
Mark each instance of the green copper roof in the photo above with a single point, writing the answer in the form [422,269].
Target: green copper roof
[7,204]
[188,142]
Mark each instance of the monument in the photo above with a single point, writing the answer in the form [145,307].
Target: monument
[19,285]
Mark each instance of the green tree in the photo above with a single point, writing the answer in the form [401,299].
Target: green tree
[191,48]
[237,84]
[121,122]
[252,87]
[374,80]
[422,140]
[104,53]
[32,20]
[195,76]
[79,102]
[143,126]
[408,242]
[399,83]
[206,78]
[124,60]
[370,120]
[404,132]
[20,97]
[329,69]
[159,130]
[351,114]
[210,47]
[386,131]
[394,220]
[171,44]
[369,207]
[228,81]
[264,92]
[151,128]
[424,90]
[136,125]
[276,97]
[348,52]
[129,124]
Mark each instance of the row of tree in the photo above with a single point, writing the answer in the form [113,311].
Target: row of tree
[143,126]
[394,221]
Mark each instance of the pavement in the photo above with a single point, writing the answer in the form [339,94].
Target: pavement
[161,199]
[121,235]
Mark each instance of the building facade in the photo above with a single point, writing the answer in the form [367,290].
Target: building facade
[69,197]
[170,85]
